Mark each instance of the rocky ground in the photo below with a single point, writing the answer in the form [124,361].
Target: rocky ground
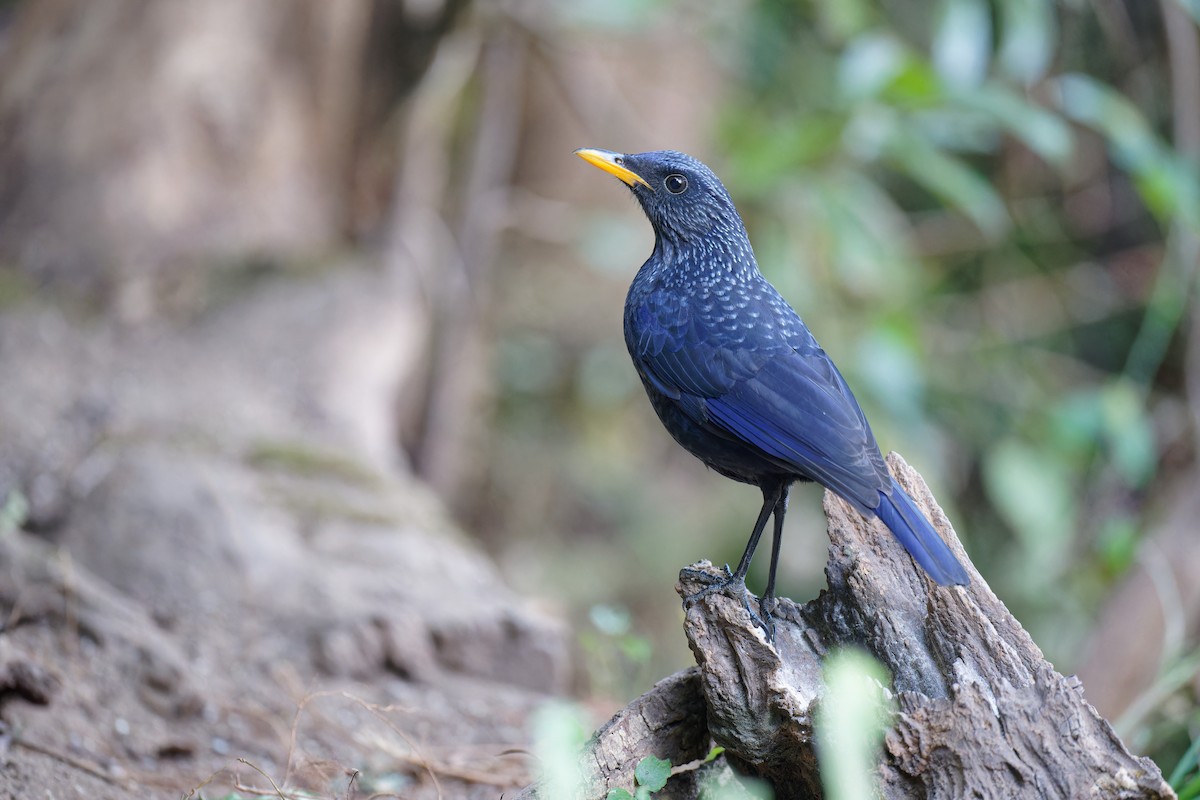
[214,575]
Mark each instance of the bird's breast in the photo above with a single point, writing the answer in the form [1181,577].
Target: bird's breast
[731,316]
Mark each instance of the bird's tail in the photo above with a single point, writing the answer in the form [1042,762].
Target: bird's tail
[919,538]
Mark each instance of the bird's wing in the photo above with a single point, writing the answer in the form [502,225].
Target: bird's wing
[784,397]
[799,410]
[680,353]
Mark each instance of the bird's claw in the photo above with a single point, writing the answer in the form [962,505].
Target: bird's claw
[764,619]
[716,586]
[766,616]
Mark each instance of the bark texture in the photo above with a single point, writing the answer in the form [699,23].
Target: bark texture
[980,712]
[668,721]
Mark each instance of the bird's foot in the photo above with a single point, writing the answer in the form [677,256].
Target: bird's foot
[766,616]
[737,584]
[714,584]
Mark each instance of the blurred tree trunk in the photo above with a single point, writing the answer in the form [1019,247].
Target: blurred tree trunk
[445,435]
[145,143]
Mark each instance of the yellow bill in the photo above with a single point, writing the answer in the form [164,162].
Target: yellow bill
[612,163]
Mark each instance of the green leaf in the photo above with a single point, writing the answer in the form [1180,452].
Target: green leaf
[767,157]
[1028,32]
[843,19]
[652,772]
[612,620]
[618,794]
[866,234]
[1042,132]
[559,731]
[917,85]
[725,784]
[870,63]
[1130,433]
[1168,183]
[637,649]
[1077,421]
[1033,491]
[1091,103]
[1117,544]
[879,65]
[962,44]
[851,720]
[1191,791]
[952,181]
[714,754]
[892,372]
[1186,764]
[14,512]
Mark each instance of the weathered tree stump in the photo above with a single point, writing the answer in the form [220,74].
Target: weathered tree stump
[979,711]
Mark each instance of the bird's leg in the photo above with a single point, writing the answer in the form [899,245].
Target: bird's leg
[767,603]
[771,498]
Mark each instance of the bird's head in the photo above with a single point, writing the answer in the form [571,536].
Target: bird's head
[685,202]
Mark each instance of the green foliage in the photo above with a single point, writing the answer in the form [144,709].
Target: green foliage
[14,512]
[978,208]
[651,773]
[1032,492]
[1185,778]
[1180,668]
[728,785]
[850,724]
[617,658]
[560,730]
[1166,182]
[913,179]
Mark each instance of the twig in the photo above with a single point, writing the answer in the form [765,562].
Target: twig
[71,761]
[256,768]
[695,764]
[461,773]
[202,784]
[378,712]
[274,791]
[295,727]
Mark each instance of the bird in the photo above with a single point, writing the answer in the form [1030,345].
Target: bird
[737,378]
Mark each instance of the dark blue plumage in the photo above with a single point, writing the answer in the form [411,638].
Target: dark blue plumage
[734,374]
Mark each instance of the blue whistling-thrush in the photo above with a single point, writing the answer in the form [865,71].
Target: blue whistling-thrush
[734,374]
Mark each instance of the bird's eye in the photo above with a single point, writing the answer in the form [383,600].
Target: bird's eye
[675,183]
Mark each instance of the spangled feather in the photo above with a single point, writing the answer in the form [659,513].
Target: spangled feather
[786,399]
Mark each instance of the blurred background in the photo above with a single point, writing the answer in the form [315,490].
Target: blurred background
[988,211]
